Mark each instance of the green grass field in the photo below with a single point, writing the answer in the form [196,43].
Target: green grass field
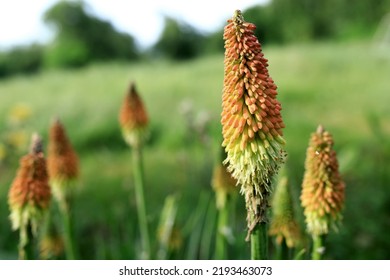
[344,87]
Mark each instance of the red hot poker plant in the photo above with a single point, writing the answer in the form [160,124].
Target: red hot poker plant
[134,122]
[63,169]
[133,118]
[63,165]
[251,120]
[322,188]
[29,195]
[283,224]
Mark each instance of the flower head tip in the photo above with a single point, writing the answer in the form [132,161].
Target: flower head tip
[133,118]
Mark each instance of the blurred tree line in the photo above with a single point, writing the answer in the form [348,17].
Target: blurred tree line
[82,38]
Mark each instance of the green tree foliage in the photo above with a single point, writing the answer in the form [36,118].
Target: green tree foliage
[335,19]
[179,40]
[82,38]
[267,27]
[26,59]
[286,21]
[213,43]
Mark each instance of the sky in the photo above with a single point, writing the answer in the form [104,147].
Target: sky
[21,20]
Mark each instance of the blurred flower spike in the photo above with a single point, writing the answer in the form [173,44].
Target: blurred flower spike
[222,183]
[133,118]
[283,225]
[63,165]
[251,120]
[323,189]
[29,195]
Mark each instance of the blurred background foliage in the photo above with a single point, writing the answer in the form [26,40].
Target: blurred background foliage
[178,40]
[82,38]
[326,57]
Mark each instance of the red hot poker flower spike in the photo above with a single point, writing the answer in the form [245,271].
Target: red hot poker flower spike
[29,195]
[251,120]
[323,189]
[133,118]
[63,165]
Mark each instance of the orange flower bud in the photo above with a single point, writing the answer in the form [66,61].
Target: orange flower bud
[133,118]
[63,165]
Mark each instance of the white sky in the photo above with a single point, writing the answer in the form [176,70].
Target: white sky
[21,20]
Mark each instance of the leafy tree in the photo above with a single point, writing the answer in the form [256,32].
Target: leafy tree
[179,40]
[213,43]
[82,38]
[23,59]
[267,27]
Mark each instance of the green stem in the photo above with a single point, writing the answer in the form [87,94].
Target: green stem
[318,248]
[282,251]
[221,244]
[259,242]
[68,230]
[26,244]
[140,200]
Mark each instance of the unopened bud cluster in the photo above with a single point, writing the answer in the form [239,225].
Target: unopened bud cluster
[63,166]
[322,188]
[133,118]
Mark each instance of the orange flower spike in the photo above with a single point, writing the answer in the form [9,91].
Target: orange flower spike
[249,100]
[62,160]
[29,195]
[133,118]
[323,189]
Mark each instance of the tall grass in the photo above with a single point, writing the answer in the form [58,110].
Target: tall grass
[337,85]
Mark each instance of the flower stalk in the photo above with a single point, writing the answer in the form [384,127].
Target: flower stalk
[224,186]
[51,245]
[251,125]
[134,121]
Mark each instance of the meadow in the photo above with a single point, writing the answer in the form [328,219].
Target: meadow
[343,86]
